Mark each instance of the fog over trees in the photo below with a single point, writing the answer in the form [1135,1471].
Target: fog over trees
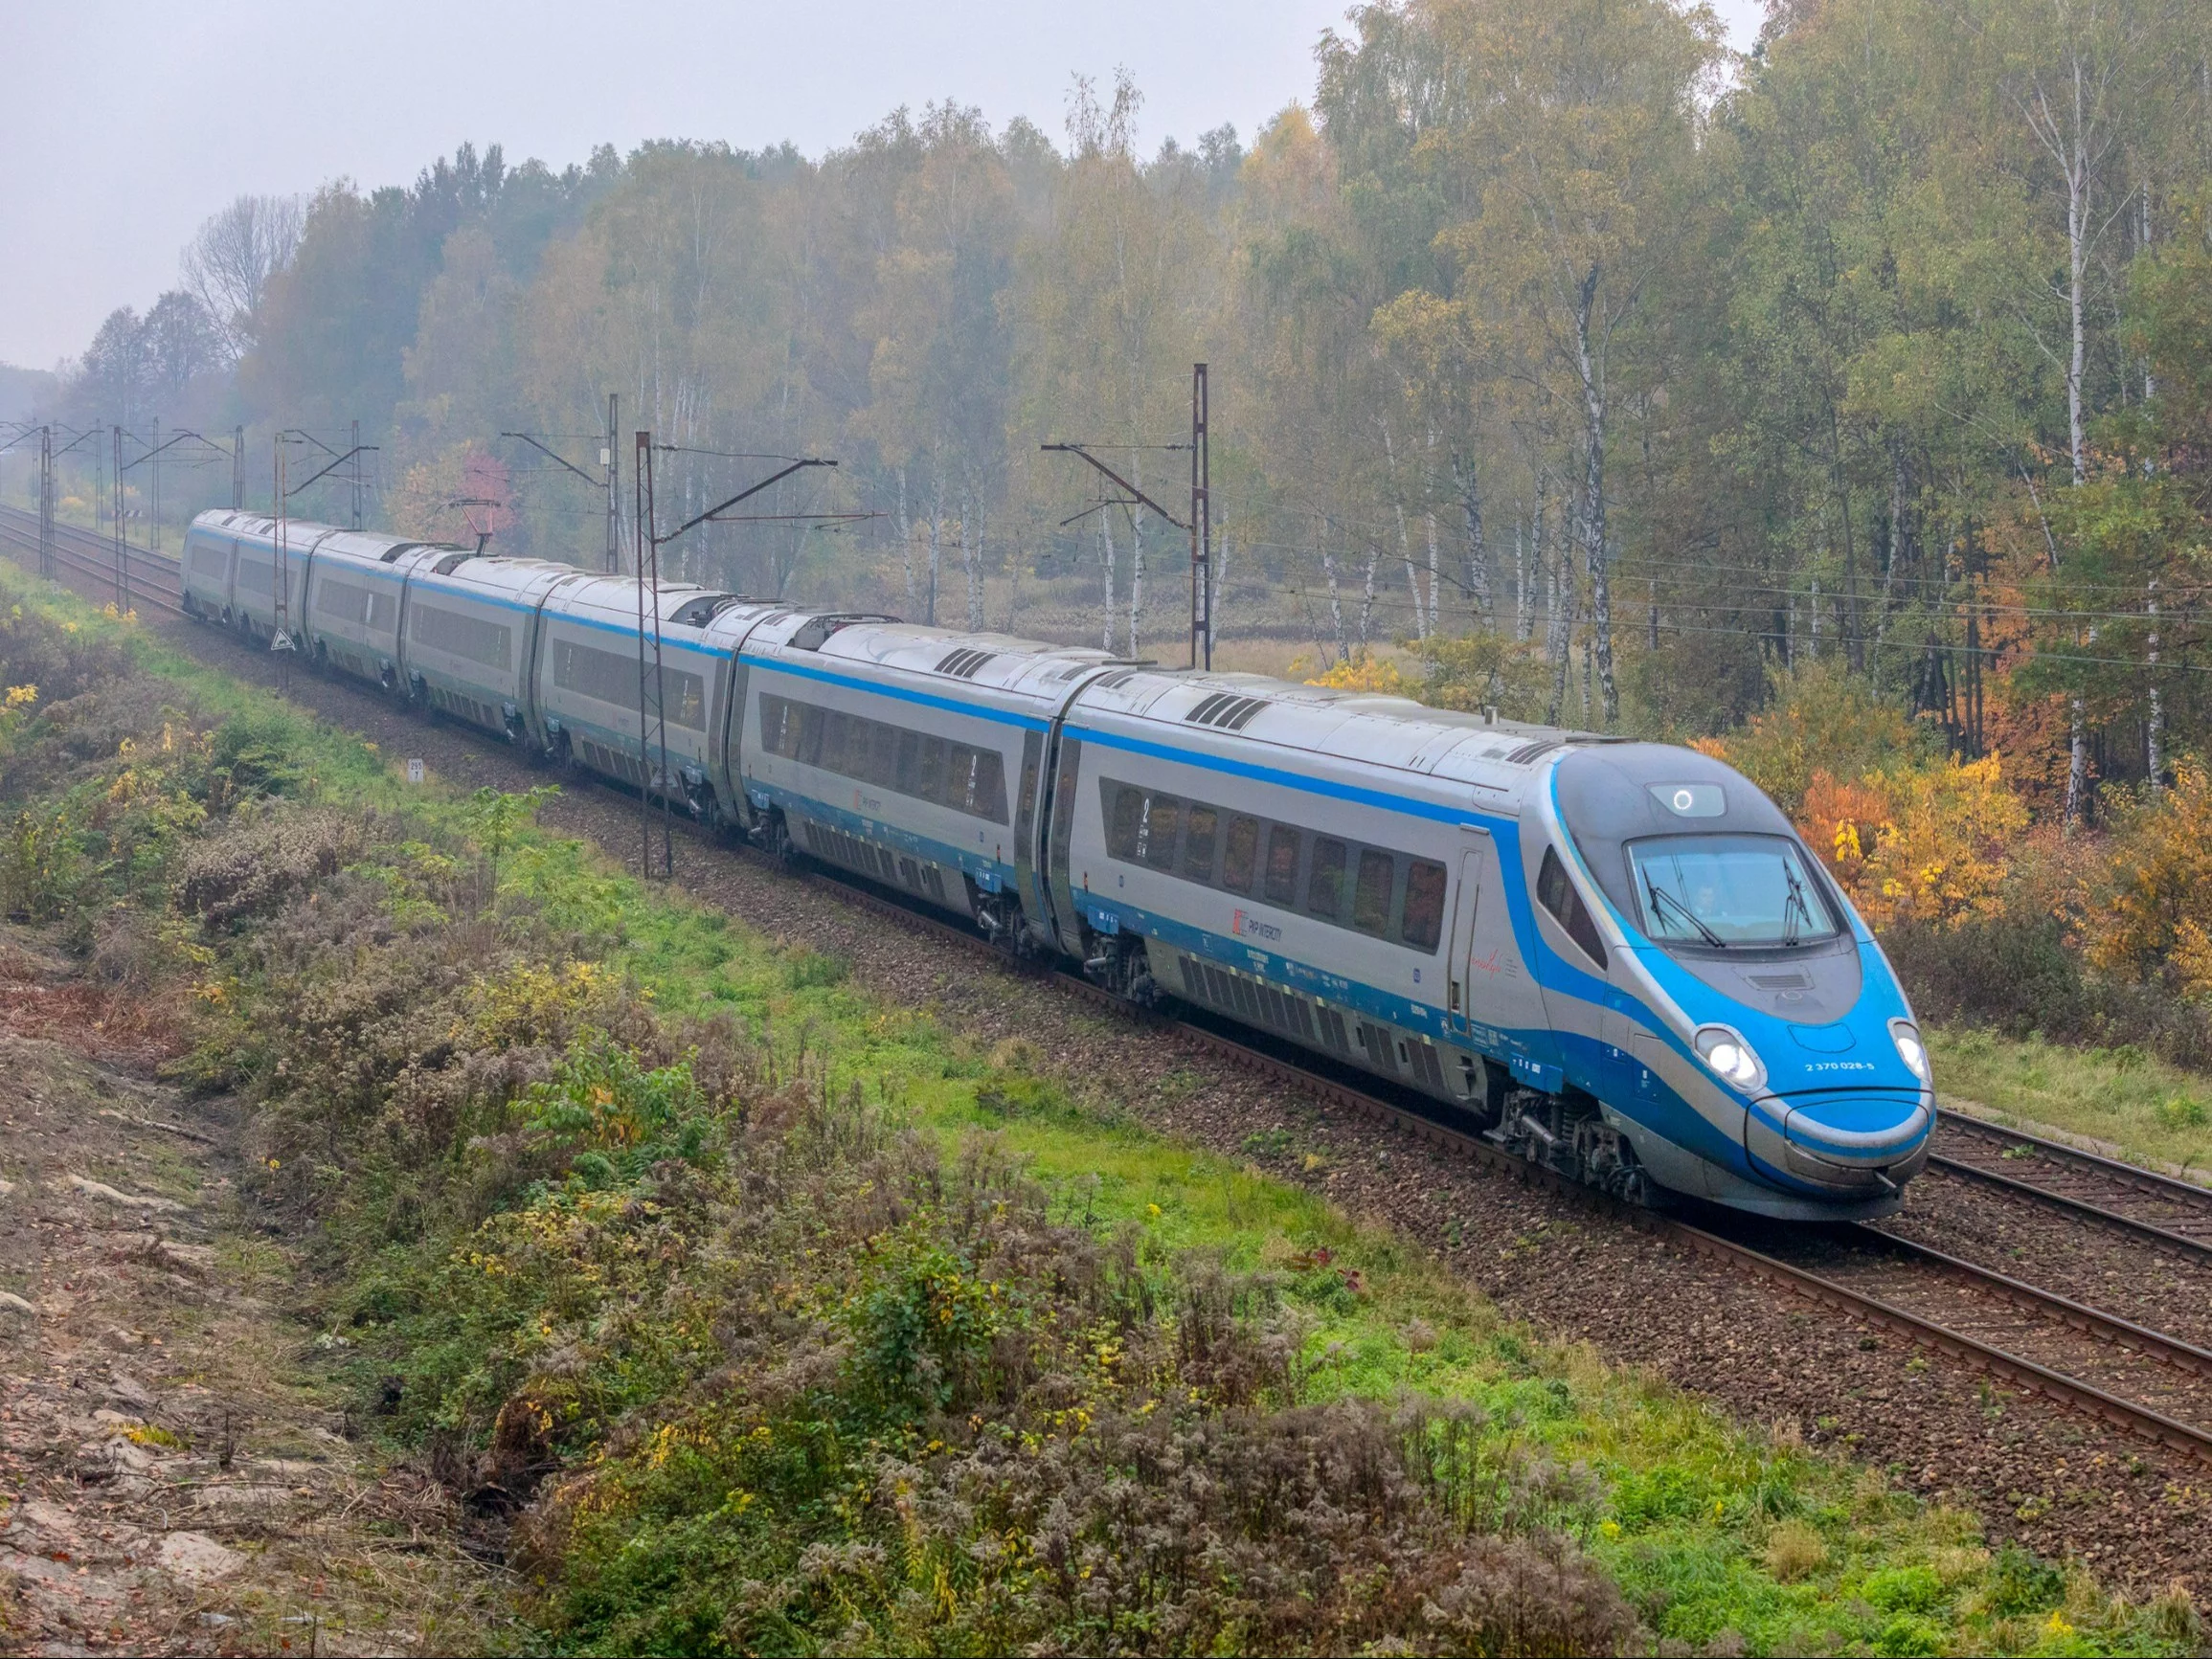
[1548,326]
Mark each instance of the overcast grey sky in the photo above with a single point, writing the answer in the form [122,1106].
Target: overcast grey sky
[126,124]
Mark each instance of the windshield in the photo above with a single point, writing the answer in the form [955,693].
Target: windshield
[1727,890]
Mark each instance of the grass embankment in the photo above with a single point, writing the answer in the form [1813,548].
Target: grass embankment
[777,1318]
[2142,1107]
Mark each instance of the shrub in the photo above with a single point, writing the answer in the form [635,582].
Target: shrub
[262,861]
[2181,1112]
[1822,718]
[1795,1550]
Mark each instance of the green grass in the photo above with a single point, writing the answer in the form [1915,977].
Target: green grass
[1711,1526]
[2148,1109]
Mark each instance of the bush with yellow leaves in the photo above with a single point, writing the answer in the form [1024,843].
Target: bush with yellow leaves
[1362,671]
[2149,914]
[1926,843]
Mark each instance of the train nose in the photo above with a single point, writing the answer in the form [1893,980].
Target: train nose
[1860,1139]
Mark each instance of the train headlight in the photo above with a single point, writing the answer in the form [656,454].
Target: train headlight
[1910,1048]
[1732,1059]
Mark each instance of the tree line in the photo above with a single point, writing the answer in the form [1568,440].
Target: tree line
[1555,340]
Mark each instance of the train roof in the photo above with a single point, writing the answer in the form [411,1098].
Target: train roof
[1000,661]
[1362,727]
[1367,727]
[304,533]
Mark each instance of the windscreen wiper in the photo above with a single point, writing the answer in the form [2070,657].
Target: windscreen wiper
[1794,907]
[1661,896]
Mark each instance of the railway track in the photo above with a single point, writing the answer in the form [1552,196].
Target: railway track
[2139,1379]
[2155,1209]
[87,563]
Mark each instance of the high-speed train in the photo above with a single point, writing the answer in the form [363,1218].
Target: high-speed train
[1615,958]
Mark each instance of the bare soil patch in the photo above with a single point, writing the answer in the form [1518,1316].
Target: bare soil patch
[174,1477]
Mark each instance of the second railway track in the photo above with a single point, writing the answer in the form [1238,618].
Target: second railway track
[2124,1373]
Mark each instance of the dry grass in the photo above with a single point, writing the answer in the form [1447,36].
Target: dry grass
[1795,1550]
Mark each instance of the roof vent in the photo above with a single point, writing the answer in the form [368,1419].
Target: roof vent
[1227,711]
[811,636]
[1528,751]
[962,664]
[698,613]
[1121,678]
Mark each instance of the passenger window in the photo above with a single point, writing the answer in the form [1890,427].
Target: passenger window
[883,755]
[1371,902]
[1282,865]
[1198,843]
[1325,881]
[990,785]
[1239,856]
[810,734]
[932,781]
[1424,923]
[908,779]
[1127,822]
[1157,839]
[1557,894]
[834,736]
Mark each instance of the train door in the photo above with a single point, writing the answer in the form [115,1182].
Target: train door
[1026,885]
[1488,993]
[1474,867]
[1061,819]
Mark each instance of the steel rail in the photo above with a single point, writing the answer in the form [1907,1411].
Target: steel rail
[2079,1316]
[146,573]
[2066,1203]
[2029,1375]
[2149,1182]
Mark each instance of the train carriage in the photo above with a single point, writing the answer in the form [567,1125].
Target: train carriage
[589,691]
[1421,895]
[357,591]
[1255,838]
[914,757]
[204,567]
[468,631]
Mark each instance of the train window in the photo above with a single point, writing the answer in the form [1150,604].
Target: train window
[955,775]
[1557,894]
[1282,865]
[1325,880]
[458,634]
[1127,824]
[1241,854]
[1371,900]
[611,677]
[989,798]
[1156,841]
[1198,843]
[1424,923]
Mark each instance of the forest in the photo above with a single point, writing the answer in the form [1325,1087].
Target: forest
[1559,353]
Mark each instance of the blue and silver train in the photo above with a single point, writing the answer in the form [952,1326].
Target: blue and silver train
[1615,958]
